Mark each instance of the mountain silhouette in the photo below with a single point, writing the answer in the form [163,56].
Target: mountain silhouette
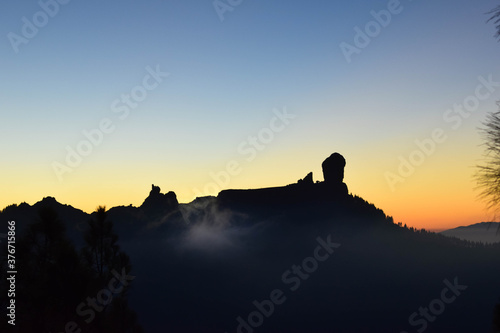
[305,257]
[485,232]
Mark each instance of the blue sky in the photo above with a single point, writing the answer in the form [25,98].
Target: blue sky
[225,80]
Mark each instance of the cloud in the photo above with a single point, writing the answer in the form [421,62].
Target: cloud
[211,228]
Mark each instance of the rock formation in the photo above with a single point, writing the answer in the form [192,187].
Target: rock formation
[333,168]
[308,180]
[158,204]
[333,173]
[304,191]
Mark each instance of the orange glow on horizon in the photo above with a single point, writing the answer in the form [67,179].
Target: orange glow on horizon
[434,197]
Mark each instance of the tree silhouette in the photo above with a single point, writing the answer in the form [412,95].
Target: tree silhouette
[101,252]
[488,175]
[50,279]
[496,19]
[53,281]
[103,258]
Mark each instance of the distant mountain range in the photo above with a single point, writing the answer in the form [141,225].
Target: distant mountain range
[485,232]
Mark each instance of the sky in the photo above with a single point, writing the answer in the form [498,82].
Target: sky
[101,100]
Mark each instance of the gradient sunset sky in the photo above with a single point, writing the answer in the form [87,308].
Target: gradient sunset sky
[229,74]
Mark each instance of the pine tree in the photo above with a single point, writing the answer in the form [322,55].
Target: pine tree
[102,256]
[50,280]
[495,17]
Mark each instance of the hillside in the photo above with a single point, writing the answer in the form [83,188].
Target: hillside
[484,232]
[306,257]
